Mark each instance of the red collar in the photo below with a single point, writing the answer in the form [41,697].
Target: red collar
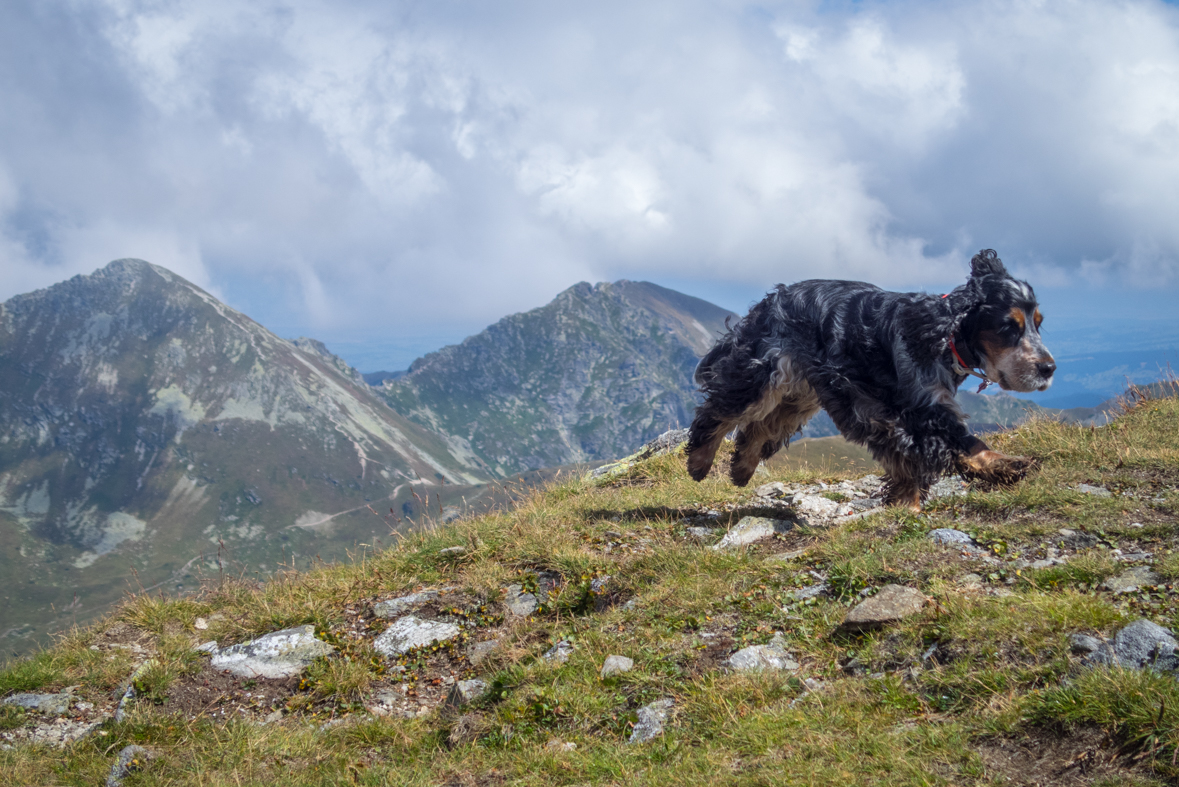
[961,367]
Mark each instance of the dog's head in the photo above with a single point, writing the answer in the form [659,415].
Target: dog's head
[1003,330]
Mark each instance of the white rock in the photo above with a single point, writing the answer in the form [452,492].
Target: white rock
[560,652]
[280,654]
[465,692]
[650,721]
[763,657]
[753,528]
[396,606]
[409,632]
[616,664]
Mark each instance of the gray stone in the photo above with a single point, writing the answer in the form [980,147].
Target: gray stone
[892,603]
[950,486]
[1096,491]
[757,658]
[409,632]
[520,603]
[48,704]
[395,607]
[753,528]
[464,692]
[1145,644]
[651,720]
[279,654]
[1131,580]
[481,650]
[131,758]
[560,652]
[452,551]
[970,580]
[1133,557]
[774,491]
[811,591]
[815,509]
[556,744]
[207,647]
[950,537]
[1092,650]
[615,665]
[702,533]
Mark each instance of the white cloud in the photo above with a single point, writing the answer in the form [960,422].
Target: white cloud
[398,167]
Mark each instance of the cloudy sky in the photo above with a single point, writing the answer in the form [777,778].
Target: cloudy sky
[389,176]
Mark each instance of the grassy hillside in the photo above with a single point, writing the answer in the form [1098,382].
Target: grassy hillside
[978,688]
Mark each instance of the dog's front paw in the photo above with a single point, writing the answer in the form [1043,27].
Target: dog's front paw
[992,467]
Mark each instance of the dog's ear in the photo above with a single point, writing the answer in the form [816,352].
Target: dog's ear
[986,263]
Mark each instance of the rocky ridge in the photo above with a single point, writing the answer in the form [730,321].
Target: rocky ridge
[143,423]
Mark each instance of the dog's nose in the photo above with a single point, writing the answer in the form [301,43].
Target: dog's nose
[1046,368]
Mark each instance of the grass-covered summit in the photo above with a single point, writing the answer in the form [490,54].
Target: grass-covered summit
[980,686]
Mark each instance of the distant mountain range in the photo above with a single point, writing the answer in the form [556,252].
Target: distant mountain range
[592,375]
[147,429]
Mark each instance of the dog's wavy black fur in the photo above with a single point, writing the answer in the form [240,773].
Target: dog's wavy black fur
[880,363]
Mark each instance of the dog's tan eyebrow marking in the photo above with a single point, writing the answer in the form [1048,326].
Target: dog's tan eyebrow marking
[1018,315]
[1039,318]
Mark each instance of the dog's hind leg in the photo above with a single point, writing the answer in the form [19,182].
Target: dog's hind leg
[704,438]
[759,440]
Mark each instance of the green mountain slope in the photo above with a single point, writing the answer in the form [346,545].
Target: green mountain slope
[592,375]
[148,430]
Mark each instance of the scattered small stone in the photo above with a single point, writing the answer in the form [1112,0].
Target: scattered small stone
[452,551]
[816,508]
[702,533]
[200,624]
[970,580]
[650,722]
[757,658]
[956,539]
[272,717]
[1139,645]
[481,650]
[773,491]
[753,528]
[1135,524]
[395,607]
[1131,579]
[556,744]
[1074,539]
[810,591]
[1096,491]
[632,604]
[615,665]
[1144,644]
[47,704]
[560,652]
[131,759]
[1133,557]
[279,654]
[409,632]
[520,603]
[892,603]
[464,692]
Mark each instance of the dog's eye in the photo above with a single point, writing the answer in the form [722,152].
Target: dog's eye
[1038,318]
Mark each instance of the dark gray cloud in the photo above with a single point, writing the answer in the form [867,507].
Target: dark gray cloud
[396,173]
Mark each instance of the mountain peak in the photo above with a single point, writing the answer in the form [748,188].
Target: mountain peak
[593,374]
